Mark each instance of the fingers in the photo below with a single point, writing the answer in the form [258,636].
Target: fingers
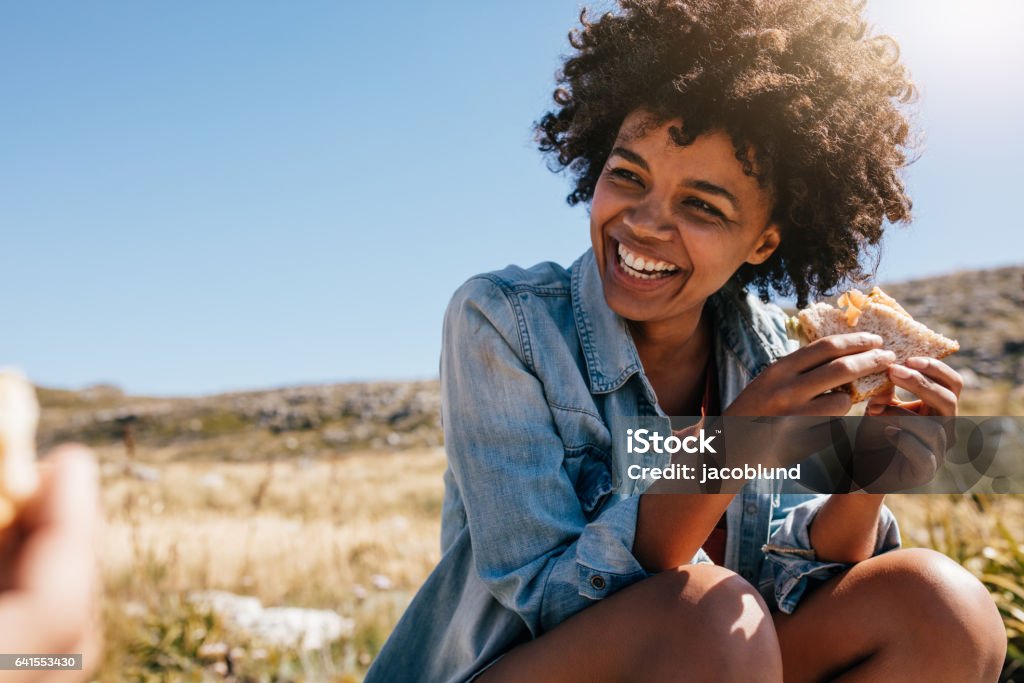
[937,371]
[90,645]
[939,398]
[832,403]
[55,573]
[828,348]
[67,498]
[919,462]
[49,602]
[877,403]
[929,430]
[894,409]
[845,369]
[930,368]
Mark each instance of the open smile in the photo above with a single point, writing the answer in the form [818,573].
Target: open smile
[639,271]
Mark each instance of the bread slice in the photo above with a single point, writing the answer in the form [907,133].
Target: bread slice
[878,313]
[19,415]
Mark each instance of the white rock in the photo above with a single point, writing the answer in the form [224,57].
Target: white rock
[144,472]
[381,582]
[211,480]
[294,627]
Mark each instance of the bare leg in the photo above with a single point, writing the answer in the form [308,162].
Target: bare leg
[907,615]
[694,623]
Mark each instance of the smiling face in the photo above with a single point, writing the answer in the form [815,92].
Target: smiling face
[670,225]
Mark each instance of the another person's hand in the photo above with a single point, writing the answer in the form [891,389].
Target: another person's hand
[49,574]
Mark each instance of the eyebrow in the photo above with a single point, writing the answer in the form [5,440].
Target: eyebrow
[703,185]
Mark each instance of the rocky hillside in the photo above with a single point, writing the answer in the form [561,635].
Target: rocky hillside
[984,310]
[309,420]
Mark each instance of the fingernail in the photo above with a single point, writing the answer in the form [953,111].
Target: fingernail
[900,371]
[917,362]
[874,409]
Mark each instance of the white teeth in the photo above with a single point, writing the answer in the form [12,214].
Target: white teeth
[641,267]
[626,255]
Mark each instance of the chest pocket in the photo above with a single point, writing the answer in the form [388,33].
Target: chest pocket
[590,473]
[587,461]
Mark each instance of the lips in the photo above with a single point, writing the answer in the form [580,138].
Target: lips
[642,266]
[647,272]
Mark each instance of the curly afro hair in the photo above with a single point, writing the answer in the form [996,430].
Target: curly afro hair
[811,100]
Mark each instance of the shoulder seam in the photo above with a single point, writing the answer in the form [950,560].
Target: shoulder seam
[525,349]
[540,290]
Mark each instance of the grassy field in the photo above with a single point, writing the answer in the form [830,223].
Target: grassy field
[348,536]
[344,535]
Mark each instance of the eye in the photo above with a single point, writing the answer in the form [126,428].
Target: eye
[626,175]
[702,205]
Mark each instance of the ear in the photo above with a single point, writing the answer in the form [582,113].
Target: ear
[767,242]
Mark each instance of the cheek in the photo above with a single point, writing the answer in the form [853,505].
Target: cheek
[715,258]
[600,203]
[603,206]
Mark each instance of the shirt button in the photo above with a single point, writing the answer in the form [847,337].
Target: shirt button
[597,582]
[751,508]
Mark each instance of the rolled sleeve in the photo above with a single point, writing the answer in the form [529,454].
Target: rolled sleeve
[533,545]
[792,559]
[604,555]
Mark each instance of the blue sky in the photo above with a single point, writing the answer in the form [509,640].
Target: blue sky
[199,197]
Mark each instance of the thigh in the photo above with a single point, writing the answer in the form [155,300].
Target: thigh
[694,623]
[869,620]
[832,629]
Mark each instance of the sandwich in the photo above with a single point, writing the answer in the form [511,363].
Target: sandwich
[878,313]
[19,415]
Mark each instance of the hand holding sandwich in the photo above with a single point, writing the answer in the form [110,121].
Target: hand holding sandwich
[796,388]
[49,577]
[895,449]
[801,382]
[49,521]
[936,385]
[896,446]
[861,350]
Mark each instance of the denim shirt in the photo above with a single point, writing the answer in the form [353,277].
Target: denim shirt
[534,364]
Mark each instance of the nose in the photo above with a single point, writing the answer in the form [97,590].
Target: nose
[648,219]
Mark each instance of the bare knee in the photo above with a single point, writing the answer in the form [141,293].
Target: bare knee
[720,615]
[963,624]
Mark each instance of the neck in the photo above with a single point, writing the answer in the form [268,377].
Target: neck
[677,343]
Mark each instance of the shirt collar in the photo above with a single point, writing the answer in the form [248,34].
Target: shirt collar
[608,346]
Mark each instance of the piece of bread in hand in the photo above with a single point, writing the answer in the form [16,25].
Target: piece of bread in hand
[876,312]
[19,415]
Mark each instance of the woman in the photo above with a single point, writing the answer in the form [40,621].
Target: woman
[720,146]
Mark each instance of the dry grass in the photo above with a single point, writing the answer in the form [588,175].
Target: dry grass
[328,535]
[321,533]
